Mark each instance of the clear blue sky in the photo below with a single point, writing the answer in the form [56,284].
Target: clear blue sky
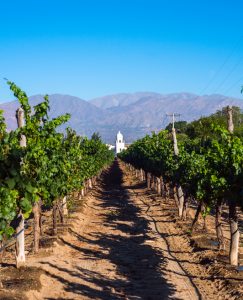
[91,48]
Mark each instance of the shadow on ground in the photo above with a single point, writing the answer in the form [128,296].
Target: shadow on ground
[138,263]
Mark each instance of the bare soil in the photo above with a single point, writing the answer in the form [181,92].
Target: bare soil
[124,242]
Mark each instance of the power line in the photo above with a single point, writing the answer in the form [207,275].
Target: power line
[228,75]
[233,85]
[221,66]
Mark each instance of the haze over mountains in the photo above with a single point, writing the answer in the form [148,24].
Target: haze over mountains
[133,114]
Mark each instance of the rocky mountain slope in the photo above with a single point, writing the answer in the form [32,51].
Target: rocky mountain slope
[133,114]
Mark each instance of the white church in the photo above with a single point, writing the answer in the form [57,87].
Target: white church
[120,143]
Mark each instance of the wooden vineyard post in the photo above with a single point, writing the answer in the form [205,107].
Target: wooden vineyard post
[54,219]
[181,201]
[158,186]
[234,235]
[37,229]
[20,239]
[233,216]
[85,187]
[162,186]
[64,206]
[148,181]
[176,196]
[20,242]
[218,224]
[152,182]
[93,180]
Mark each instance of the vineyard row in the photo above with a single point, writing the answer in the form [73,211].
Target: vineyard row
[207,170]
[40,167]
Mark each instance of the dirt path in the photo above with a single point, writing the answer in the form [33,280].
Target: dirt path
[117,249]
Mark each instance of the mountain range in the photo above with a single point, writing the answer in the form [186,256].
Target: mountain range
[134,114]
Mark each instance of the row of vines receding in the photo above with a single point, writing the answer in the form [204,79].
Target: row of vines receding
[204,168]
[41,167]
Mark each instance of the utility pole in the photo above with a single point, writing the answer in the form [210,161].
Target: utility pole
[173,116]
[230,119]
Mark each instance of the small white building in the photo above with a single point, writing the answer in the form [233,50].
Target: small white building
[120,143]
[110,147]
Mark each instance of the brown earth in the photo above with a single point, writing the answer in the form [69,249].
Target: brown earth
[125,243]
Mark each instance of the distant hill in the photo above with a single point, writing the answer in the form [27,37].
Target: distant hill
[133,114]
[121,99]
[84,115]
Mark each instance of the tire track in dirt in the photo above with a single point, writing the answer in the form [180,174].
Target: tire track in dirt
[179,250]
[173,266]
